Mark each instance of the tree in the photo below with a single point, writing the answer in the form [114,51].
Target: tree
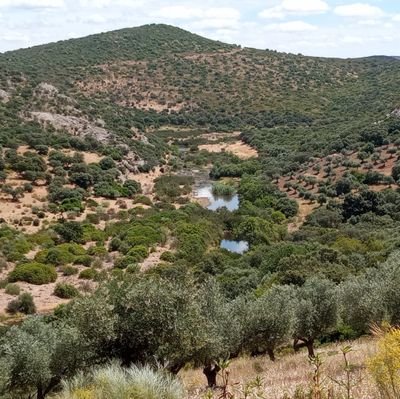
[360,303]
[270,320]
[343,186]
[39,354]
[70,231]
[315,312]
[16,193]
[396,172]
[224,330]
[159,320]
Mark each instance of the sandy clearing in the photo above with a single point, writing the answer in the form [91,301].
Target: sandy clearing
[238,148]
[146,180]
[43,294]
[305,209]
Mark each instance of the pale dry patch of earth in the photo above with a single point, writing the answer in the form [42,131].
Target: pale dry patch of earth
[238,148]
[291,371]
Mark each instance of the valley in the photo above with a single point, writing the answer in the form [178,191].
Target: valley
[199,217]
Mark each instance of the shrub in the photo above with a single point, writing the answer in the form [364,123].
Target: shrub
[133,269]
[12,289]
[142,199]
[69,270]
[139,252]
[65,291]
[385,365]
[124,262]
[23,304]
[58,256]
[222,189]
[34,273]
[88,274]
[167,256]
[115,382]
[85,260]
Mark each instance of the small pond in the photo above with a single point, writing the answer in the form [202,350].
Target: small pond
[231,202]
[238,247]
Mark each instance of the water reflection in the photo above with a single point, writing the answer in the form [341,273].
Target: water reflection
[238,247]
[231,202]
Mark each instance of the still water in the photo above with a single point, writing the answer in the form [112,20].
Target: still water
[231,202]
[238,247]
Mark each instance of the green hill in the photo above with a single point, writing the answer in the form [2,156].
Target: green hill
[155,75]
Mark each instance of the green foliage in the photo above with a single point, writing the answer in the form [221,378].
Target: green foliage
[115,382]
[88,274]
[34,273]
[39,355]
[12,289]
[66,291]
[23,304]
[70,231]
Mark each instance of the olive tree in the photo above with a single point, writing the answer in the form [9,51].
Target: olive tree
[223,328]
[360,302]
[315,312]
[270,320]
[159,320]
[39,354]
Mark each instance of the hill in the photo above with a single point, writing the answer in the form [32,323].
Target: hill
[132,81]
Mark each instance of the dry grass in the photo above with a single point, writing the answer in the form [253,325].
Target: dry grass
[238,148]
[293,371]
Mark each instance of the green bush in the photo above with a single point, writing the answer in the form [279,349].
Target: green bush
[88,274]
[139,252]
[23,304]
[12,289]
[85,260]
[69,270]
[168,256]
[33,273]
[142,199]
[65,291]
[124,261]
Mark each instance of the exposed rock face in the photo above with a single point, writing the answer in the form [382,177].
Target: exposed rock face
[396,112]
[76,126]
[4,96]
[46,90]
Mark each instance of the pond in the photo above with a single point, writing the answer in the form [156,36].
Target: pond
[238,247]
[231,202]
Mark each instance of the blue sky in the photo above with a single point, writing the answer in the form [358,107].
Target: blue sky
[339,28]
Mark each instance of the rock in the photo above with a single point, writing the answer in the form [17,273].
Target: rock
[76,126]
[396,112]
[4,96]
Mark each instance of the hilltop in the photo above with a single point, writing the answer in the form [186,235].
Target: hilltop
[119,85]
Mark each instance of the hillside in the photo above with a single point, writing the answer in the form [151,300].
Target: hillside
[170,200]
[136,80]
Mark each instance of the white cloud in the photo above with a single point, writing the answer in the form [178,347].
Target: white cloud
[296,7]
[292,26]
[353,40]
[305,6]
[272,13]
[396,18]
[32,3]
[362,10]
[188,12]
[95,19]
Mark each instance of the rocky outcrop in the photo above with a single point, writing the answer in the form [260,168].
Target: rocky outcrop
[396,112]
[74,125]
[4,96]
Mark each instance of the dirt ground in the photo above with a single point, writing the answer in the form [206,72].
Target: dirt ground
[291,371]
[238,148]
